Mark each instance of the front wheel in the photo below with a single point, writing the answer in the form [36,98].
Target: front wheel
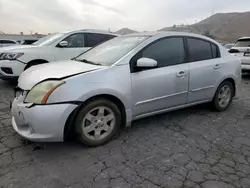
[97,122]
[224,96]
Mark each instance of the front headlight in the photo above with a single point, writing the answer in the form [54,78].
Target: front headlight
[40,93]
[10,56]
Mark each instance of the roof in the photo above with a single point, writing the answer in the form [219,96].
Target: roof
[242,38]
[91,31]
[168,33]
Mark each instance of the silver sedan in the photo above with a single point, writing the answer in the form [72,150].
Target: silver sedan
[104,89]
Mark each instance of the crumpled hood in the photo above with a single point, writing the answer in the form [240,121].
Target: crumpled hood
[16,48]
[56,70]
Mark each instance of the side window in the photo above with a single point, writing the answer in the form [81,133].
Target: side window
[93,39]
[199,49]
[75,40]
[166,52]
[9,42]
[215,51]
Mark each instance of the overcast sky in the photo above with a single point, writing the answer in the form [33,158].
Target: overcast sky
[46,16]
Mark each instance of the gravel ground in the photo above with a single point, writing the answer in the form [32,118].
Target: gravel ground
[192,148]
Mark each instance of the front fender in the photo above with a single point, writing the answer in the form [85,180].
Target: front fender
[110,81]
[37,53]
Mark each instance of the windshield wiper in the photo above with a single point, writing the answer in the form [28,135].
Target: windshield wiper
[86,61]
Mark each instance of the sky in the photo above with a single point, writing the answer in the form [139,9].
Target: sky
[48,16]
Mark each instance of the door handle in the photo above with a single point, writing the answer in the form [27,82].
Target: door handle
[217,66]
[181,74]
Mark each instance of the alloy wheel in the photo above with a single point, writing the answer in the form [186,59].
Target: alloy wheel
[98,123]
[224,96]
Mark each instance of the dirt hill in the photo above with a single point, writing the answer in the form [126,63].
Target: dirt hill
[125,31]
[188,29]
[226,26]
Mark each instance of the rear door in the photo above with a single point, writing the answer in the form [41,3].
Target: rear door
[205,69]
[166,85]
[93,39]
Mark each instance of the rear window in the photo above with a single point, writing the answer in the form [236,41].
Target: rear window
[242,43]
[93,39]
[199,50]
[215,51]
[7,42]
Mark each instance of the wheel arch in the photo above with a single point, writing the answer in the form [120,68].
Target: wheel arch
[70,121]
[36,61]
[231,80]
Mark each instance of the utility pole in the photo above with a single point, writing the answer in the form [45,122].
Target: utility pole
[212,7]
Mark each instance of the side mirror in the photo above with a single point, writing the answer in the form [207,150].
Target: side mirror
[63,44]
[233,51]
[146,63]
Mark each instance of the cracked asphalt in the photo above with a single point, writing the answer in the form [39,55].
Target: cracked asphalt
[193,148]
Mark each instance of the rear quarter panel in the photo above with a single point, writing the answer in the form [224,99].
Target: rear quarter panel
[231,68]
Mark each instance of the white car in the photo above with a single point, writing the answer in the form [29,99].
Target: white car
[124,79]
[241,49]
[7,42]
[228,46]
[55,47]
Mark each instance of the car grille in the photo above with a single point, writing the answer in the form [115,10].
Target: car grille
[7,70]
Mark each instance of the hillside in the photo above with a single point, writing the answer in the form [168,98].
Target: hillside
[1,32]
[188,29]
[226,26]
[125,31]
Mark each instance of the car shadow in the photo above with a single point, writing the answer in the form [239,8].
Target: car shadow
[160,121]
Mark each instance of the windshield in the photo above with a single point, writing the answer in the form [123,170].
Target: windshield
[242,43]
[111,51]
[48,39]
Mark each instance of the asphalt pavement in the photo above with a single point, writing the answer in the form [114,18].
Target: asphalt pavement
[193,148]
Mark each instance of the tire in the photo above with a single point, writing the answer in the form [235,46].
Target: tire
[92,125]
[219,97]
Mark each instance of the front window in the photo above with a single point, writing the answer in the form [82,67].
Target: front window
[75,40]
[111,51]
[48,40]
[242,43]
[167,52]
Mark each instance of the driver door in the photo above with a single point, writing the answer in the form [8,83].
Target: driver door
[165,86]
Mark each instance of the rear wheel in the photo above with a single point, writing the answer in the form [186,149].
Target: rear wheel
[224,96]
[97,122]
